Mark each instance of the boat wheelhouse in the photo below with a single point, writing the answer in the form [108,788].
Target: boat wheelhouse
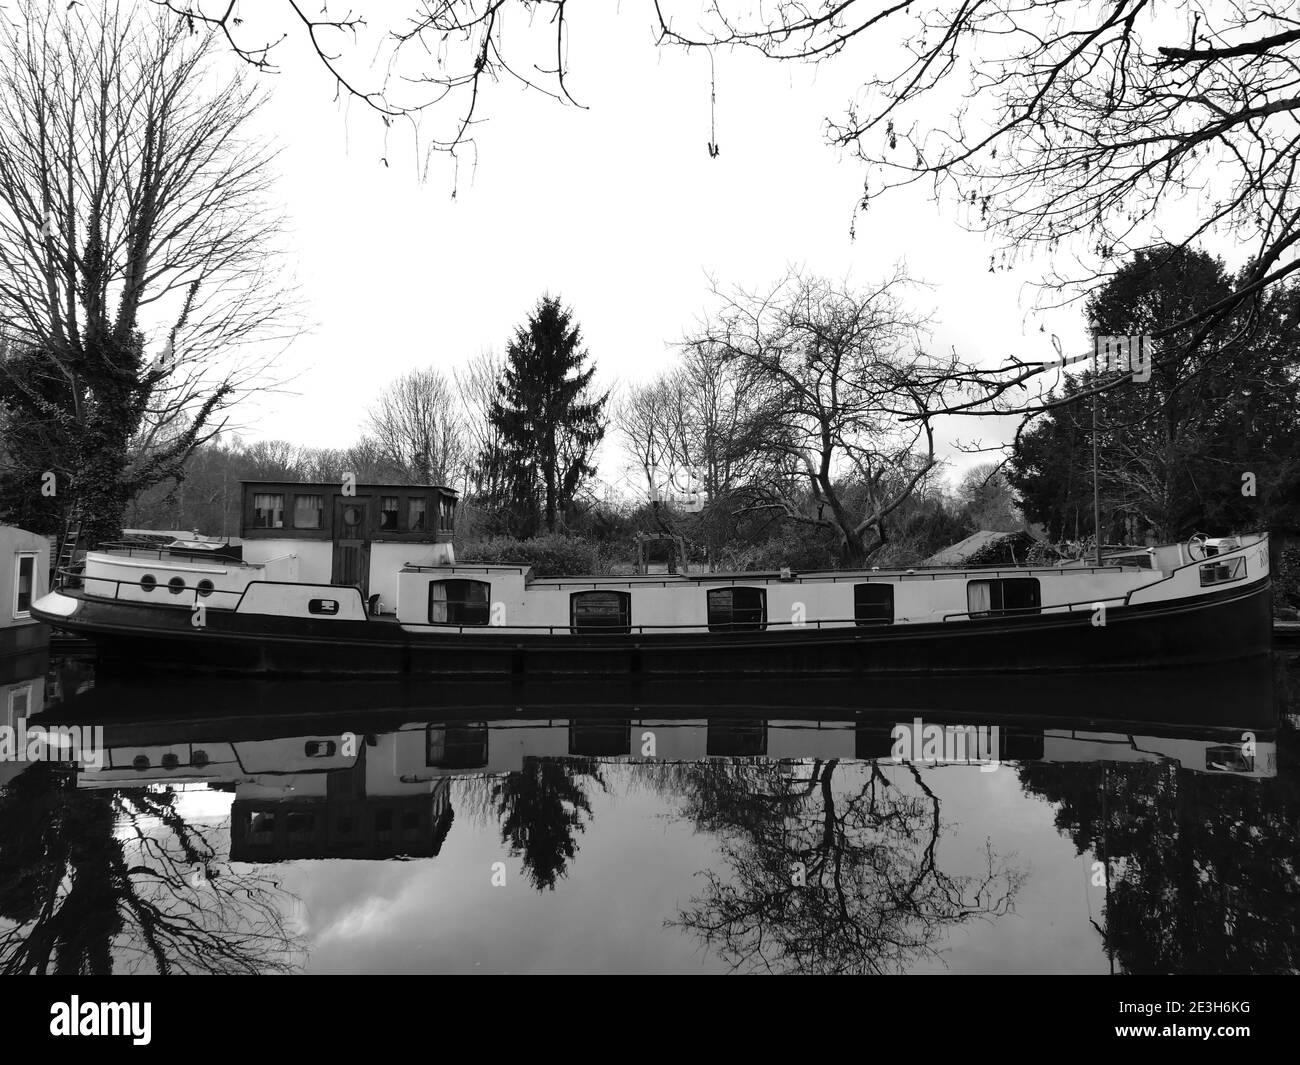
[326,579]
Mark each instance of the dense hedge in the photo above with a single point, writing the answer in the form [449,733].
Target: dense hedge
[550,556]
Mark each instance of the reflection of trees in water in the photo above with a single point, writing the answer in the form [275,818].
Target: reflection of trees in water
[873,898]
[92,879]
[542,807]
[1203,868]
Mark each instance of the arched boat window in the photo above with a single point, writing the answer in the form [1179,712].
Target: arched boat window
[459,602]
[1002,596]
[600,612]
[737,609]
[176,585]
[148,582]
[873,604]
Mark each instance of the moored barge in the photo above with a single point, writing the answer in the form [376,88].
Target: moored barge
[325,580]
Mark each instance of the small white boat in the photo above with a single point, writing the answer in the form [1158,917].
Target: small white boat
[323,581]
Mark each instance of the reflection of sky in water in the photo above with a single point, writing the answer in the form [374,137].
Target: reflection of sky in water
[636,867]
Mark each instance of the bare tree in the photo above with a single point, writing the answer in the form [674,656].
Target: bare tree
[839,395]
[418,428]
[1099,128]
[135,242]
[479,384]
[1089,130]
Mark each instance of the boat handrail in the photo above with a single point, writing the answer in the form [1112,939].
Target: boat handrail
[205,594]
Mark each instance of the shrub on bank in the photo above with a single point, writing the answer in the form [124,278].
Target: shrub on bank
[550,556]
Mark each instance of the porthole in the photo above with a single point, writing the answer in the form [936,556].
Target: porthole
[170,761]
[176,585]
[148,582]
[140,763]
[199,758]
[352,516]
[205,587]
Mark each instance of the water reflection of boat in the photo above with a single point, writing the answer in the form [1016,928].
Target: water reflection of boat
[365,769]
[1233,695]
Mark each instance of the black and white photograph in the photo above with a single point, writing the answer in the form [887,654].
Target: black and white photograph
[654,488]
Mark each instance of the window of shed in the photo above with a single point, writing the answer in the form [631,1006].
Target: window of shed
[24,583]
[268,511]
[388,513]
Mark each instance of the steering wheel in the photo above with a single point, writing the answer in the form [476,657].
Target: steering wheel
[1198,542]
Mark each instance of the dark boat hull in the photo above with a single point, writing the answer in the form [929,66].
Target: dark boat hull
[1225,625]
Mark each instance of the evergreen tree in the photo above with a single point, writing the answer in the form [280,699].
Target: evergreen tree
[549,420]
[1175,449]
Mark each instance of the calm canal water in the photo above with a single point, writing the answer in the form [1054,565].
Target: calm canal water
[1143,823]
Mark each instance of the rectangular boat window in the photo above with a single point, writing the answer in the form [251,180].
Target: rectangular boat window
[323,606]
[601,612]
[1002,596]
[24,584]
[388,513]
[417,515]
[458,602]
[308,512]
[268,511]
[1223,572]
[737,609]
[873,604]
[446,513]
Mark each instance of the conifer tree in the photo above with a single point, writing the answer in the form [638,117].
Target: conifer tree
[549,418]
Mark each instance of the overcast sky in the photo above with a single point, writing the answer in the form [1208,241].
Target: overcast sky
[618,209]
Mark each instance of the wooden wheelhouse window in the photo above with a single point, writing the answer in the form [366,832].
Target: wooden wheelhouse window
[268,510]
[456,746]
[459,602]
[873,604]
[446,513]
[24,585]
[417,516]
[1002,596]
[388,511]
[600,612]
[737,609]
[308,511]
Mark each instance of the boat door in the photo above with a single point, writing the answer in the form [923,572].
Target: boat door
[351,564]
